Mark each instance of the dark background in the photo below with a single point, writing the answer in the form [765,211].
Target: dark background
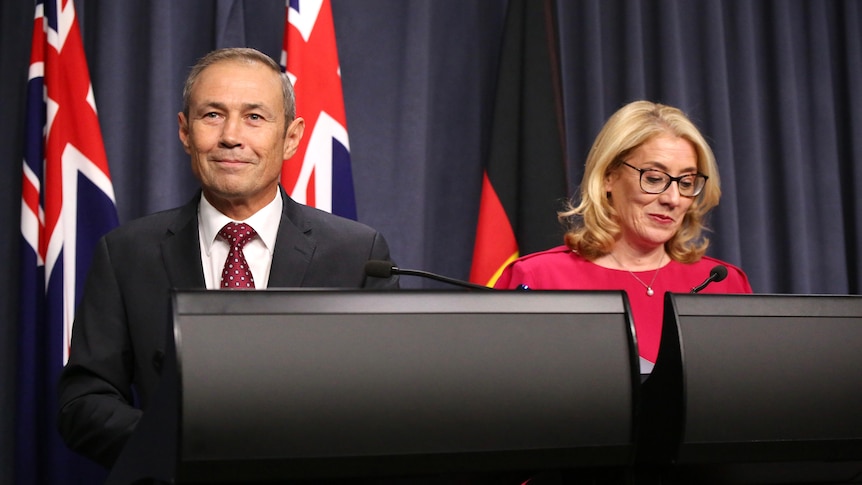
[774,86]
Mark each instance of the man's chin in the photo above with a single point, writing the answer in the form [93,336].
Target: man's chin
[226,193]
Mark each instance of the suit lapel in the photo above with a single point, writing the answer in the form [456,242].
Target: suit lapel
[181,249]
[294,247]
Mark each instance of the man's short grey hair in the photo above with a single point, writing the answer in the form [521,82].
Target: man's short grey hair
[249,56]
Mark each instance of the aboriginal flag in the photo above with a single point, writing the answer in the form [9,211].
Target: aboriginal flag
[524,181]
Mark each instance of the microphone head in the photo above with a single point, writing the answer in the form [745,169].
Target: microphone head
[718,273]
[379,269]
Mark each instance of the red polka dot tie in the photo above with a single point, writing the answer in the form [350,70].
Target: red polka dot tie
[236,274]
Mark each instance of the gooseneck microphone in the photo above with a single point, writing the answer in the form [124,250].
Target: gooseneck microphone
[384,269]
[717,273]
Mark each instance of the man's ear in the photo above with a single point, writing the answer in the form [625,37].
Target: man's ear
[292,138]
[183,130]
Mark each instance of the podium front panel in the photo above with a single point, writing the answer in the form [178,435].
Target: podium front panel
[347,375]
[759,378]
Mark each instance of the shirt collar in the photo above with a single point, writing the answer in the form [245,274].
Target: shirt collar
[265,222]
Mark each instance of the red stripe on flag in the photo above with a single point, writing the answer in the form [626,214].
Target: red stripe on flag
[495,244]
[30,196]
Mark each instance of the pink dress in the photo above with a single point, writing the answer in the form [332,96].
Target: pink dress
[560,268]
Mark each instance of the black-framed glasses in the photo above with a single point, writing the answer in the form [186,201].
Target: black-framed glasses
[655,181]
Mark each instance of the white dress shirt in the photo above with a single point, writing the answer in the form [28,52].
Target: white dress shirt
[258,251]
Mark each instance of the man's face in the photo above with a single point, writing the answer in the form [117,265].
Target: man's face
[236,137]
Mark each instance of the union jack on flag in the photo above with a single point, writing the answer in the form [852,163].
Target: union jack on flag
[319,174]
[67,204]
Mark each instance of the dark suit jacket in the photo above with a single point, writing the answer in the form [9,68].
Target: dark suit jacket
[118,338]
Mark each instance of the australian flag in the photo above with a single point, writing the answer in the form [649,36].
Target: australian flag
[67,204]
[319,174]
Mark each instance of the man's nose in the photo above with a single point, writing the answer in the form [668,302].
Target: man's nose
[230,134]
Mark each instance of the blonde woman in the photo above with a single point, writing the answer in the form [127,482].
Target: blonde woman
[649,180]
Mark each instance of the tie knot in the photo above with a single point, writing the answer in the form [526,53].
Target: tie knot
[237,233]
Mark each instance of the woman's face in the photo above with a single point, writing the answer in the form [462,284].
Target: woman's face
[650,220]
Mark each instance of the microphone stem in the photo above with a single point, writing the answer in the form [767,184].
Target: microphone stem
[703,285]
[443,279]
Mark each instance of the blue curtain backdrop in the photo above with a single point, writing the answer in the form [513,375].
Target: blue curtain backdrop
[774,85]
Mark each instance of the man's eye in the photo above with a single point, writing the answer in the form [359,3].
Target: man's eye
[211,115]
[255,117]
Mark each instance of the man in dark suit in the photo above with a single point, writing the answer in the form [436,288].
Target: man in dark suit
[238,124]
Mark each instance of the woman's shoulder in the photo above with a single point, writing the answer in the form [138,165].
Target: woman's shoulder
[709,261]
[736,279]
[553,257]
[551,268]
[552,253]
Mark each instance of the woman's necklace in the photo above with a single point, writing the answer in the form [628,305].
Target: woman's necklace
[649,290]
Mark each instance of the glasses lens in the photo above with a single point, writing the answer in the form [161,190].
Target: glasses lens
[691,185]
[654,181]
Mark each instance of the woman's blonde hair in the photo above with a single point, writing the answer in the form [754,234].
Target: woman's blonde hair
[592,224]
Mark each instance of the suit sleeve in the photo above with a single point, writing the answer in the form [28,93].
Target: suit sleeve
[95,412]
[510,278]
[380,251]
